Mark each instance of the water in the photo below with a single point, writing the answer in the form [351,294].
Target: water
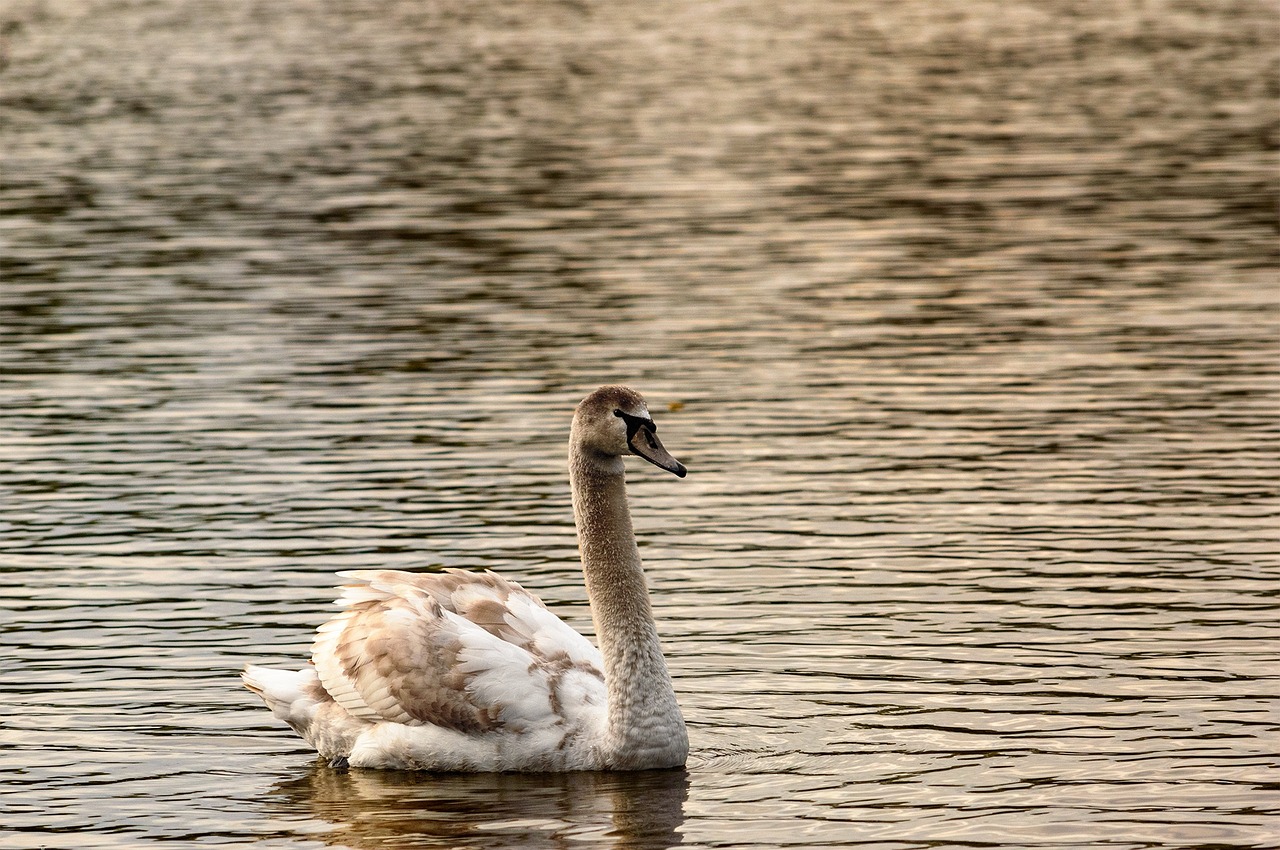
[963,316]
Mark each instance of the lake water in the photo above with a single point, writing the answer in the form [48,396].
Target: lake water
[962,314]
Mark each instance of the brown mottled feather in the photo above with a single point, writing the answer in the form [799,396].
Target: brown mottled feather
[392,654]
[478,597]
[393,659]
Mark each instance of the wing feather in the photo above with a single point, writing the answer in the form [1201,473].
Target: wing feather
[466,651]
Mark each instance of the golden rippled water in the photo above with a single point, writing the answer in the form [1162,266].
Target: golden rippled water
[963,316]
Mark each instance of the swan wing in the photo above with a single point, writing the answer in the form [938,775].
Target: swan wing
[465,651]
[502,608]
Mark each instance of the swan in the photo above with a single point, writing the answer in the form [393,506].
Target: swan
[464,671]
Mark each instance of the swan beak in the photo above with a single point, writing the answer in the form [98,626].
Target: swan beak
[646,444]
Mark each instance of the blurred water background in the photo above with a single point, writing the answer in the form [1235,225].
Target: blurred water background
[963,315]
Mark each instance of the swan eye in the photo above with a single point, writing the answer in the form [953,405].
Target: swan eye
[635,423]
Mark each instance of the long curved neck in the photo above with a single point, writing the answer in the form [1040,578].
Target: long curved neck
[643,715]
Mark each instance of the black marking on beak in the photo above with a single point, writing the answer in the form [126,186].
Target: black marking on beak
[635,423]
[642,437]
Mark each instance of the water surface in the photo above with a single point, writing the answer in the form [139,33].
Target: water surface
[963,316]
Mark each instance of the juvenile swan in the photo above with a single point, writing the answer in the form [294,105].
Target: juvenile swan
[465,671]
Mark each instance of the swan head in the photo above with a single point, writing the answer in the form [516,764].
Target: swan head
[614,421]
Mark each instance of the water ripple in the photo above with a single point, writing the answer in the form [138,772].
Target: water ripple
[961,314]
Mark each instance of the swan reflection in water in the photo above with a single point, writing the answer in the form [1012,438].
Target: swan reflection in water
[615,810]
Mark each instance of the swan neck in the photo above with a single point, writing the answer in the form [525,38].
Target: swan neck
[610,556]
[641,698]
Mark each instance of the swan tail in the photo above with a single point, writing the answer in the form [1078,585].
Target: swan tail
[292,695]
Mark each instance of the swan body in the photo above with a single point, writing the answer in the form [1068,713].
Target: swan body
[461,671]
